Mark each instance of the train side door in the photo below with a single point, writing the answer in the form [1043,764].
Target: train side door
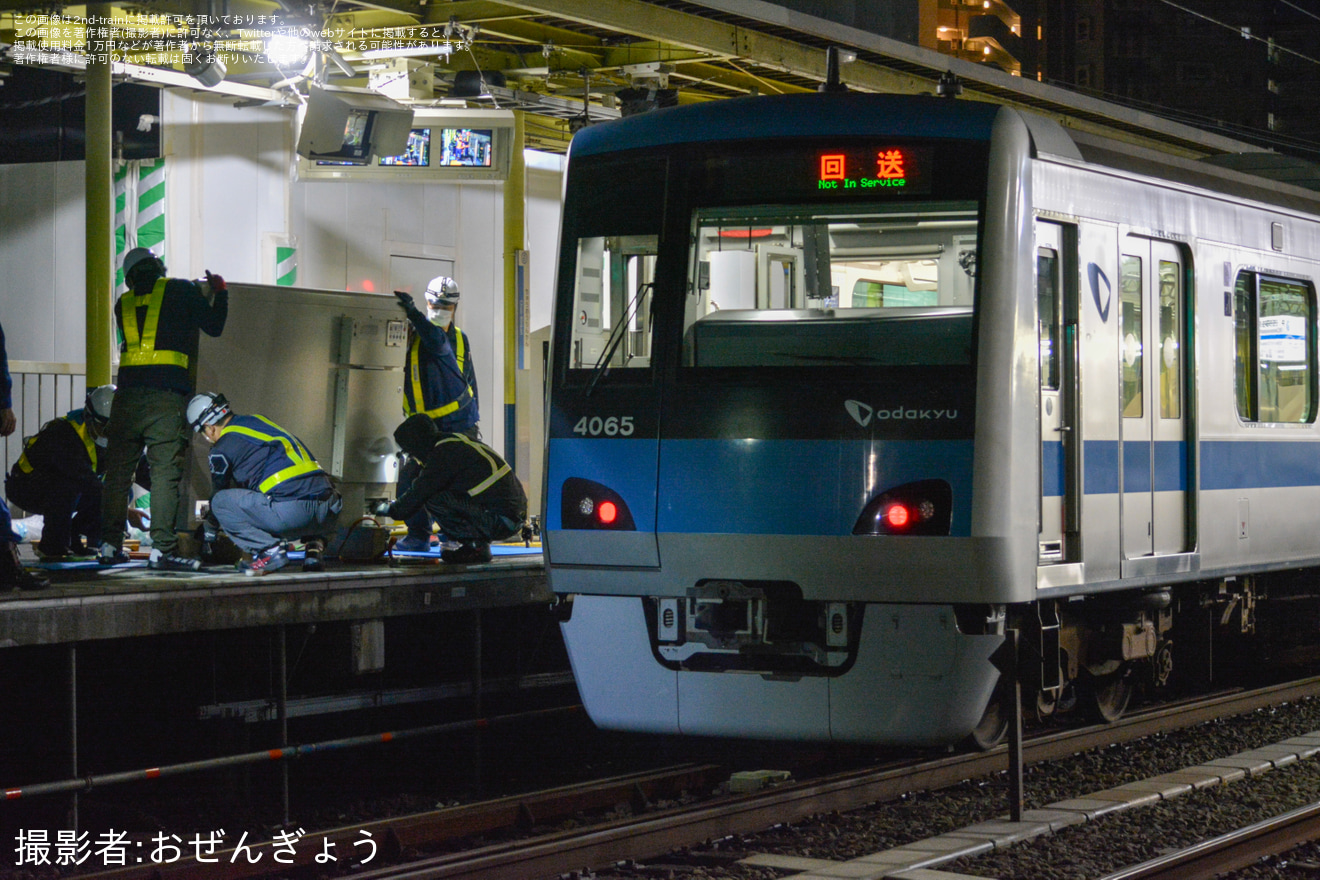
[1152,369]
[1056,326]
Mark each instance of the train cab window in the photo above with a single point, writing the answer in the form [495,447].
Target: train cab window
[612,296]
[869,285]
[1274,320]
[1130,329]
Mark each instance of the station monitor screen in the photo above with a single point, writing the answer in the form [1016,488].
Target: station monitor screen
[418,152]
[469,147]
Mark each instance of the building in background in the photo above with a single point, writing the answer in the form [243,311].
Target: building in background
[1246,68]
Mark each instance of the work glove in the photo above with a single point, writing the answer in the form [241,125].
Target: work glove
[217,283]
[405,300]
[381,508]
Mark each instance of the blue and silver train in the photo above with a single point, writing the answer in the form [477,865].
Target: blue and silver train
[842,385]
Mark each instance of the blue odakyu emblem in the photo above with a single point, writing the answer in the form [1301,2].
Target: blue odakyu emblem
[1095,275]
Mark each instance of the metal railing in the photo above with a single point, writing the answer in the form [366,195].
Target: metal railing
[42,391]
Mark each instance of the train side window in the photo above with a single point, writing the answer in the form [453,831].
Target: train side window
[1132,361]
[1274,329]
[1047,298]
[1171,298]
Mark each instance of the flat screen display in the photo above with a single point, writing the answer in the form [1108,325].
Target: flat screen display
[468,147]
[418,152]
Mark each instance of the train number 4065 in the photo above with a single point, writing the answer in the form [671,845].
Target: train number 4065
[613,426]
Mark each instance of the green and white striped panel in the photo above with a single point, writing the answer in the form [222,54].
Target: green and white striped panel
[151,205]
[121,224]
[139,211]
[286,266]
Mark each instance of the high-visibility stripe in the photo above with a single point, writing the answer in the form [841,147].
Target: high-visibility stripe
[302,461]
[23,464]
[80,428]
[415,378]
[142,352]
[497,471]
[88,443]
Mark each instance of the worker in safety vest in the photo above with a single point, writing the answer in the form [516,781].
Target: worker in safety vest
[158,319]
[440,381]
[464,485]
[266,487]
[13,576]
[58,475]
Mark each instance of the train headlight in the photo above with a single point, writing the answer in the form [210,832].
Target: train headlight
[921,508]
[586,504]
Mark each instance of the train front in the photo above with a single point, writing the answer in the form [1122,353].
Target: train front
[779,437]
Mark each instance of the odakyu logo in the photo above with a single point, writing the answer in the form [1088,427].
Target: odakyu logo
[1096,276]
[863,414]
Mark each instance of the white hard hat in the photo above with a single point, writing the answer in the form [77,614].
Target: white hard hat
[97,408]
[207,409]
[139,255]
[442,290]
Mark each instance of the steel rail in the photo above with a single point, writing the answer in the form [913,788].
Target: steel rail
[1229,852]
[646,836]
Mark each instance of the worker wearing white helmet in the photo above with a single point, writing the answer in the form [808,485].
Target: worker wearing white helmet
[440,382]
[159,320]
[266,487]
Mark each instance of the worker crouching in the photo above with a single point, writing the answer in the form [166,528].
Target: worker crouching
[58,475]
[266,487]
[465,486]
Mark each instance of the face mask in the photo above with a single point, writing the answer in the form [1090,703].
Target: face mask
[440,317]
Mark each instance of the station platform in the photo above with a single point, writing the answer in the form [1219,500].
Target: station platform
[87,601]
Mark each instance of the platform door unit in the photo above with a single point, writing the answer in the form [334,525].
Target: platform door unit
[1056,327]
[1152,370]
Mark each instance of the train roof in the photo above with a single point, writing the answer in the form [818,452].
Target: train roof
[856,113]
[852,113]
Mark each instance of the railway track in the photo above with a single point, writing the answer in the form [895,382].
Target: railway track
[642,836]
[1229,852]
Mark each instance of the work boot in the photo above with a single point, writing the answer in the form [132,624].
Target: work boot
[468,553]
[13,576]
[312,550]
[414,544]
[271,559]
[173,562]
[108,554]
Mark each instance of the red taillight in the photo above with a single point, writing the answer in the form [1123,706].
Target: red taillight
[897,516]
[607,512]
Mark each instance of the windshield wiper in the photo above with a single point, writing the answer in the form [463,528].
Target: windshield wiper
[620,329]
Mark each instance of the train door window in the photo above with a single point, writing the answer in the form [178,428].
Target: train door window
[866,285]
[1274,322]
[1170,330]
[1047,296]
[612,301]
[1131,359]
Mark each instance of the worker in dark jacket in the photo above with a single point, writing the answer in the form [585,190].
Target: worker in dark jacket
[266,486]
[159,319]
[58,475]
[440,382]
[13,576]
[464,485]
